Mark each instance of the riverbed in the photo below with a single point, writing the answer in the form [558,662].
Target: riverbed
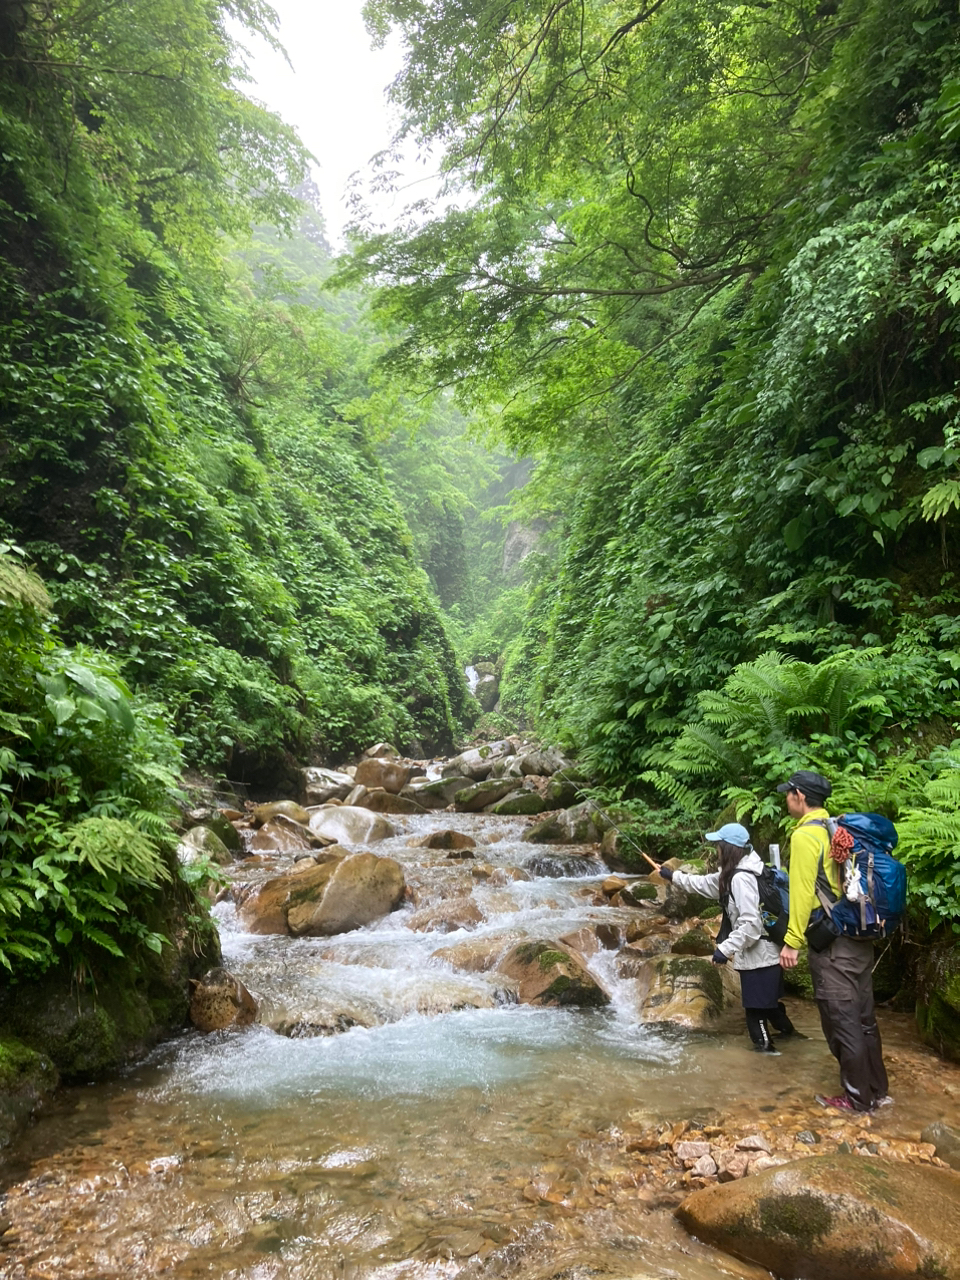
[445,1132]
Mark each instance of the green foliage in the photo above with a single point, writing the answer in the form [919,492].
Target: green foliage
[929,830]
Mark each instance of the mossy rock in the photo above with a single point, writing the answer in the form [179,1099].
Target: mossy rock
[27,1078]
[797,981]
[938,999]
[695,942]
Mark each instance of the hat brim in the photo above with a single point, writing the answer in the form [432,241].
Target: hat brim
[784,787]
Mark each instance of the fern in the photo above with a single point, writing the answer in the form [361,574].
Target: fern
[114,848]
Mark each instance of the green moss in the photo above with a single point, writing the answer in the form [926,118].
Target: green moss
[547,959]
[802,1218]
[24,1068]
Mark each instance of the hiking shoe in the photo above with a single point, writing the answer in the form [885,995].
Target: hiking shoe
[842,1102]
[767,1048]
[885,1101]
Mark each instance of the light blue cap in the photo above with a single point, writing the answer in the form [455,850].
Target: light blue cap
[732,833]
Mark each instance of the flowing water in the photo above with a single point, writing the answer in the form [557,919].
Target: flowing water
[444,1132]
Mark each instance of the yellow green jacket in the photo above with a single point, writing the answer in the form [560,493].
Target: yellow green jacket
[806,845]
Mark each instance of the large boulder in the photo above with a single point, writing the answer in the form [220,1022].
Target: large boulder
[202,842]
[631,959]
[683,991]
[320,785]
[361,889]
[283,835]
[580,825]
[836,1217]
[342,825]
[547,974]
[543,763]
[437,794]
[519,803]
[219,1000]
[487,691]
[389,802]
[27,1080]
[477,797]
[478,761]
[318,899]
[387,775]
[680,904]
[381,751]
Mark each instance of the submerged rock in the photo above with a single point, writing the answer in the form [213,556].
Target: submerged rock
[447,917]
[447,839]
[546,974]
[836,1217]
[945,1140]
[219,1000]
[559,866]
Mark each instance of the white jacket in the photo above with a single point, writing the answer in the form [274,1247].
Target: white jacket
[746,943]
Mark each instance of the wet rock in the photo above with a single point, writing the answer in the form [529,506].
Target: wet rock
[705,1167]
[203,842]
[446,839]
[580,825]
[836,1218]
[381,751]
[320,785]
[612,885]
[732,1165]
[945,1141]
[282,836]
[438,794]
[356,796]
[636,893]
[360,889]
[546,974]
[448,917]
[342,825]
[477,955]
[564,791]
[686,1150]
[519,802]
[219,1000]
[27,1080]
[684,991]
[315,899]
[809,1137]
[754,1142]
[384,774]
[218,823]
[478,761]
[559,865]
[506,767]
[593,938]
[632,959]
[477,797]
[264,813]
[695,942]
[390,802]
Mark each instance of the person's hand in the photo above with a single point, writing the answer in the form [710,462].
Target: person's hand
[666,872]
[788,957]
[718,957]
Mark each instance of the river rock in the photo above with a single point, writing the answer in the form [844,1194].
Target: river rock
[385,774]
[946,1140]
[678,904]
[360,889]
[390,802]
[684,991]
[517,803]
[546,974]
[203,842]
[343,825]
[219,1000]
[695,942]
[282,835]
[264,813]
[570,826]
[477,955]
[542,763]
[506,767]
[437,794]
[320,785]
[381,751]
[938,998]
[478,761]
[447,917]
[591,938]
[632,958]
[356,796]
[836,1217]
[477,797]
[27,1080]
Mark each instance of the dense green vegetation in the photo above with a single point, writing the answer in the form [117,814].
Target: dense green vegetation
[700,261]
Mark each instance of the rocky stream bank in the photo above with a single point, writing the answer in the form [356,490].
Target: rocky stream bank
[446,1040]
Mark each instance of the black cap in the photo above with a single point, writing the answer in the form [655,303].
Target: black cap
[813,785]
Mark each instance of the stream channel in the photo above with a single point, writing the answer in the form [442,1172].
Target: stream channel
[446,1132]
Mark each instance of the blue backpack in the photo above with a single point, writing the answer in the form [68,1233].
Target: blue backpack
[878,908]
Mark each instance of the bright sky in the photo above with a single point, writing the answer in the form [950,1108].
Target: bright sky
[335,96]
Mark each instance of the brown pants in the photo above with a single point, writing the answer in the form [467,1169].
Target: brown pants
[843,989]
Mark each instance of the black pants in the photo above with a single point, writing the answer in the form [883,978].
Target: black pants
[757,1020]
[843,989]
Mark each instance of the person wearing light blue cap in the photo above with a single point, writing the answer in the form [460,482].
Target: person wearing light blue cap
[743,937]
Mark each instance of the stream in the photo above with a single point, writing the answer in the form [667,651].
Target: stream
[445,1132]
